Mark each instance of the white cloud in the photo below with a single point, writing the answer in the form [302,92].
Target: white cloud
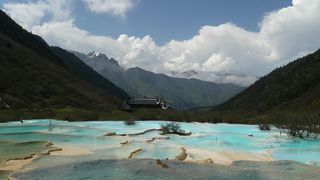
[32,13]
[140,51]
[294,29]
[284,34]
[221,49]
[113,7]
[218,62]
[27,15]
[67,35]
[217,52]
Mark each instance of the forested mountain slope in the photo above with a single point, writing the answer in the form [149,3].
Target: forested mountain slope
[294,87]
[34,75]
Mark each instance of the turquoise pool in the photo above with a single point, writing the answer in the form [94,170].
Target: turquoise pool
[215,137]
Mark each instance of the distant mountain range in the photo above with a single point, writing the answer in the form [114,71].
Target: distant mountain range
[181,93]
[292,88]
[242,80]
[34,75]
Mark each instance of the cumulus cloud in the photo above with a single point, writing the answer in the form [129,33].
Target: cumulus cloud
[69,36]
[140,51]
[32,13]
[293,30]
[113,7]
[218,53]
[130,50]
[221,49]
[27,15]
[284,35]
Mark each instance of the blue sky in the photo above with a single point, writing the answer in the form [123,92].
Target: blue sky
[212,37]
[165,20]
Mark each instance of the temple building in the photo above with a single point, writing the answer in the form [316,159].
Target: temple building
[135,103]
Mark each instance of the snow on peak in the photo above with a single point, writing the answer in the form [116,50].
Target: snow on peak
[93,54]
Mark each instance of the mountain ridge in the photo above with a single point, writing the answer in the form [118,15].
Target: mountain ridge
[33,76]
[182,93]
[293,87]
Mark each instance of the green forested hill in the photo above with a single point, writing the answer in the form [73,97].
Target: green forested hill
[294,87]
[33,75]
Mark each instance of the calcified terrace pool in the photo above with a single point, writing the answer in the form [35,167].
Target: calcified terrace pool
[207,140]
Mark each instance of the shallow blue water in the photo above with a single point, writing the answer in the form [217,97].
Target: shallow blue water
[204,135]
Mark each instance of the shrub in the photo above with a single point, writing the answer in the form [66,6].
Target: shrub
[301,125]
[170,128]
[129,122]
[264,127]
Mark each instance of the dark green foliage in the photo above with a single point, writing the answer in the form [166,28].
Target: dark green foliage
[170,128]
[8,45]
[295,86]
[16,33]
[173,128]
[80,114]
[289,98]
[35,78]
[28,81]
